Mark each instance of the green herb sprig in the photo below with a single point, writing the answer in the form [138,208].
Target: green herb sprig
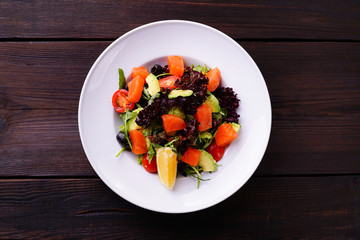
[126,117]
[195,172]
[122,80]
[201,69]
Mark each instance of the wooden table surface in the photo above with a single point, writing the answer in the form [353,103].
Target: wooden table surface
[308,183]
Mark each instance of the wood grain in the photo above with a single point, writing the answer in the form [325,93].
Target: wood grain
[314,89]
[280,207]
[315,97]
[239,19]
[42,143]
[39,93]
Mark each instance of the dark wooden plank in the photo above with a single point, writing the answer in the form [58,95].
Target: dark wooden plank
[39,92]
[314,87]
[280,207]
[42,143]
[45,75]
[240,19]
[315,96]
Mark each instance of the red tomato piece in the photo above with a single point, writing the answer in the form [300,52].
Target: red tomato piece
[225,135]
[191,156]
[168,82]
[172,123]
[204,117]
[150,167]
[216,151]
[120,101]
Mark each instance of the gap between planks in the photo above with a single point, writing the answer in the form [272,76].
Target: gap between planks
[113,39]
[28,178]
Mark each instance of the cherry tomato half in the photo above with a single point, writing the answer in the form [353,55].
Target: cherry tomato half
[216,151]
[152,167]
[168,82]
[120,101]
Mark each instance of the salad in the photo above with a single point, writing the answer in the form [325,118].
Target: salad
[177,118]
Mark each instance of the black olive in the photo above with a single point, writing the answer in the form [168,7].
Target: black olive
[166,69]
[157,70]
[120,137]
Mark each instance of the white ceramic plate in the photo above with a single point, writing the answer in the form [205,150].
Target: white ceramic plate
[145,46]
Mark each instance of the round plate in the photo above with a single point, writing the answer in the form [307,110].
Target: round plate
[145,46]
